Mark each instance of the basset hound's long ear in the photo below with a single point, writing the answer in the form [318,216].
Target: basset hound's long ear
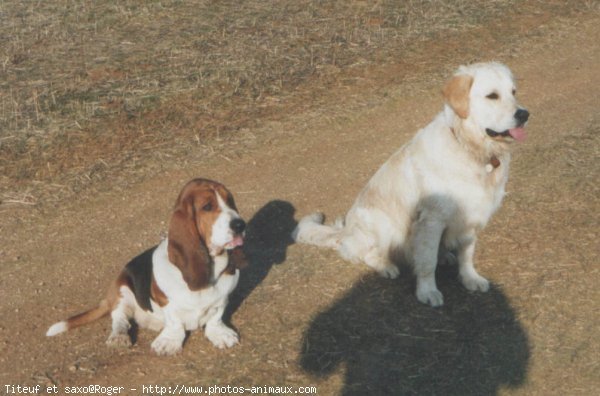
[186,249]
[456,92]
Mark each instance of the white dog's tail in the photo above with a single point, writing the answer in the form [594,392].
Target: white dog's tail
[312,231]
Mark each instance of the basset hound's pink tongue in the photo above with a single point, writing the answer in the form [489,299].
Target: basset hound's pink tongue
[518,134]
[237,241]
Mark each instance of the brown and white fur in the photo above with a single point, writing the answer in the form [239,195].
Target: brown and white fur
[439,190]
[183,283]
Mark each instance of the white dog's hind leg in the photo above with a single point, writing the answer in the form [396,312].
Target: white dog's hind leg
[359,245]
[381,263]
[466,270]
[425,244]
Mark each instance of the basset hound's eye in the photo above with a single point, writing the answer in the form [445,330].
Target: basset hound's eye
[208,207]
[493,96]
[514,92]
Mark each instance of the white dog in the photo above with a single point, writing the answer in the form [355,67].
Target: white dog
[437,191]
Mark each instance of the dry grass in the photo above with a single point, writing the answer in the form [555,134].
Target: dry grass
[96,87]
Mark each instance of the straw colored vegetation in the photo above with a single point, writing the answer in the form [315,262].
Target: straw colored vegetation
[94,88]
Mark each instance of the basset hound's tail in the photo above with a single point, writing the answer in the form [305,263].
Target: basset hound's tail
[80,319]
[312,231]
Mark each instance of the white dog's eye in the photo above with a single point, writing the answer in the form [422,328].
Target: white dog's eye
[493,96]
[514,92]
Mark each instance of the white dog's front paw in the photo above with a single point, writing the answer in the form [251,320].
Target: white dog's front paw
[120,340]
[221,336]
[428,293]
[475,282]
[165,346]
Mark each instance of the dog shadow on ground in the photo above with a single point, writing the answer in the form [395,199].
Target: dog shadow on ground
[388,343]
[268,235]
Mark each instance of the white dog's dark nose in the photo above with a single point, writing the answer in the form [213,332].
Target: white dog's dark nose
[237,225]
[522,116]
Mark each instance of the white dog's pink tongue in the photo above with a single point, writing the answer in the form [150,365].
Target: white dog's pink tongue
[518,134]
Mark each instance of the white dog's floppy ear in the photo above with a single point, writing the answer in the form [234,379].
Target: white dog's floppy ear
[456,92]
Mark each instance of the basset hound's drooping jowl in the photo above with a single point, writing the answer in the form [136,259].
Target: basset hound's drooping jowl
[184,282]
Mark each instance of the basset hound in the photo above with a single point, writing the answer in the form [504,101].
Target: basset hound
[184,282]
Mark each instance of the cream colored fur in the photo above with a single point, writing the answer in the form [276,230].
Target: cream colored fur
[437,191]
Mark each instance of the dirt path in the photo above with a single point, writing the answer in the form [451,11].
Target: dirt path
[308,318]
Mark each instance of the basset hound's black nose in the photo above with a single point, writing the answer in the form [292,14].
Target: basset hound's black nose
[237,225]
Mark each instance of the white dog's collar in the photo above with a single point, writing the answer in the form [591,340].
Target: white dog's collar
[490,166]
[493,164]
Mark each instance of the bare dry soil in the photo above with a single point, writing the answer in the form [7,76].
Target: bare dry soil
[306,317]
